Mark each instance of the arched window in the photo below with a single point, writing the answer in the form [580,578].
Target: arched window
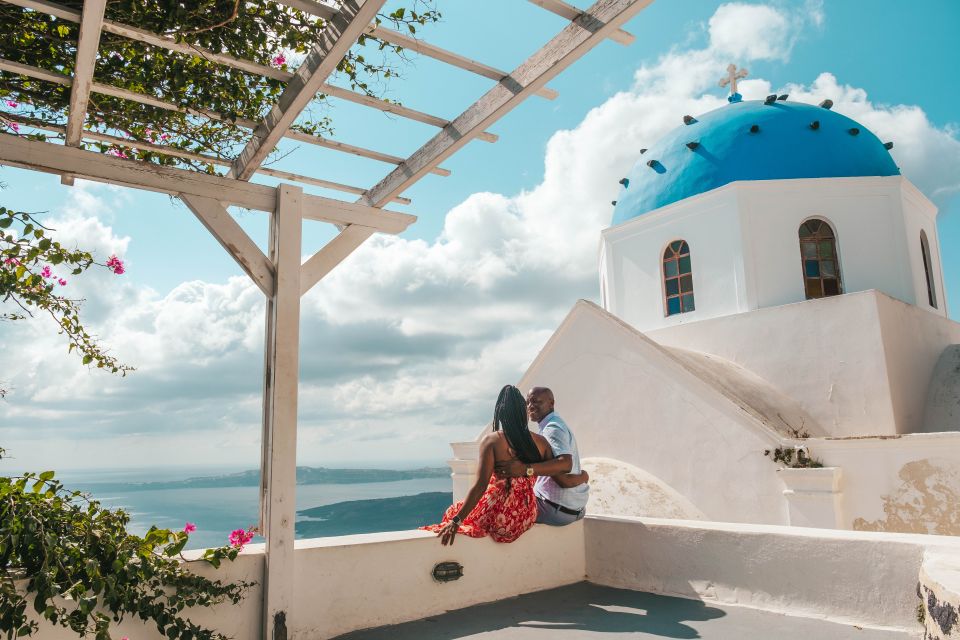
[677,278]
[818,253]
[928,269]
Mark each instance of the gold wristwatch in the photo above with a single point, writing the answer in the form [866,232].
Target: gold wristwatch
[529,471]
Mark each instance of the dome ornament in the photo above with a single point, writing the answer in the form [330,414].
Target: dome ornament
[733,74]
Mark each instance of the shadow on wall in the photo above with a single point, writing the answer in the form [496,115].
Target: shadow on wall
[579,607]
[928,501]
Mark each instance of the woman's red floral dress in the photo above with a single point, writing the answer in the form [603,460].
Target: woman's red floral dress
[506,509]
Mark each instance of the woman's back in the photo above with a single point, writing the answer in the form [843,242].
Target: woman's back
[502,451]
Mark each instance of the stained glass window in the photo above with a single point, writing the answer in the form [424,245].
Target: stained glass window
[818,256]
[928,269]
[677,278]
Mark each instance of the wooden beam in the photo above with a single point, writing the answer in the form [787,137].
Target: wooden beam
[576,39]
[126,94]
[86,59]
[340,34]
[453,59]
[333,253]
[570,12]
[234,239]
[189,155]
[166,42]
[52,158]
[279,470]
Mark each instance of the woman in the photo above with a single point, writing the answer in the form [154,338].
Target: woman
[502,508]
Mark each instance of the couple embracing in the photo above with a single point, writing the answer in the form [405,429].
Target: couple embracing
[522,477]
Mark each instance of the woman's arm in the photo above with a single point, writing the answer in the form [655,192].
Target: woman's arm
[484,471]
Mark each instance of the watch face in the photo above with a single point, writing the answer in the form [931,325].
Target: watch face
[529,471]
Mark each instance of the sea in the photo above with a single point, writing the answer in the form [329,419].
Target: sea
[218,511]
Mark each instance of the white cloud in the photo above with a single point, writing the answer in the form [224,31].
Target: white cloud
[405,345]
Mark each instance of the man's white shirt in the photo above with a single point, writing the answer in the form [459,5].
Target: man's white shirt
[558,434]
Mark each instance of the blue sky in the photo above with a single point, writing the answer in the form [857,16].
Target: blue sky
[405,342]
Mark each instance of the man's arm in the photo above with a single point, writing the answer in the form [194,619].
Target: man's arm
[515,469]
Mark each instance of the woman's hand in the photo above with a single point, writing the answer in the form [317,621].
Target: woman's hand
[448,533]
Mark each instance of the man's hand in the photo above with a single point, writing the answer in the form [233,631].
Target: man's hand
[510,469]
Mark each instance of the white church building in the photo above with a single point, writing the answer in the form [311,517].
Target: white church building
[771,287]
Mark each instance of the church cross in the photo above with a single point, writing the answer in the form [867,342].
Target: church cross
[733,74]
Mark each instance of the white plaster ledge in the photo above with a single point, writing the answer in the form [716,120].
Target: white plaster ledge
[939,591]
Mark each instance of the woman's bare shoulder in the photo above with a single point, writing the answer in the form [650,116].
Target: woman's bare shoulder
[542,443]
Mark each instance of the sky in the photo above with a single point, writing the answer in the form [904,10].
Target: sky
[406,344]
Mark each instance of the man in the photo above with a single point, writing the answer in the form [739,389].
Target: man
[555,505]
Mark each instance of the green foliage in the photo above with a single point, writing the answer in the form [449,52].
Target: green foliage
[256,30]
[25,249]
[73,561]
[794,457]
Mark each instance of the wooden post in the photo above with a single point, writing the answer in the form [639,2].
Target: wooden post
[281,371]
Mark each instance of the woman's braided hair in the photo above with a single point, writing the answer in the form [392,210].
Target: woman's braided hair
[511,415]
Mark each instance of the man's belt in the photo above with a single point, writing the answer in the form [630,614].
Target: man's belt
[562,509]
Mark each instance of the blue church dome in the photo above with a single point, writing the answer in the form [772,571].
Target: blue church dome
[751,141]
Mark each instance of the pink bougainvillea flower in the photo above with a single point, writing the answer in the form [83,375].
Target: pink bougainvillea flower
[12,104]
[189,527]
[46,272]
[164,136]
[118,153]
[279,60]
[115,264]
[240,537]
[62,282]
[12,261]
[14,126]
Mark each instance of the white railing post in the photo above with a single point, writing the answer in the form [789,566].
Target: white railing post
[279,461]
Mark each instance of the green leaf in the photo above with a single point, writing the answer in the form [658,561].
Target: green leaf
[87,359]
[5,222]
[47,475]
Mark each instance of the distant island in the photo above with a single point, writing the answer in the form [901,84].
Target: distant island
[371,516]
[305,475]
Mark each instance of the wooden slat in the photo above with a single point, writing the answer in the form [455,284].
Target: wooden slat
[570,44]
[312,7]
[453,59]
[570,12]
[322,262]
[234,239]
[396,109]
[125,94]
[341,32]
[52,158]
[87,44]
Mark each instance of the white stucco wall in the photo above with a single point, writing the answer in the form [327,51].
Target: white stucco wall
[868,579]
[913,340]
[632,254]
[920,214]
[825,354]
[628,399]
[355,582]
[745,250]
[859,364]
[908,484]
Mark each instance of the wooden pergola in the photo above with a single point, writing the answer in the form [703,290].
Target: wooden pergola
[279,272]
